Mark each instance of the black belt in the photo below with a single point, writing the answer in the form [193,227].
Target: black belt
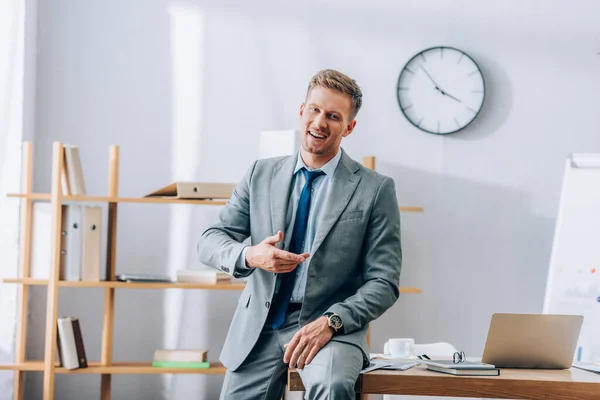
[294,307]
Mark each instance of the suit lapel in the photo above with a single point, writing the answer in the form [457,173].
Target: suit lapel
[342,188]
[280,192]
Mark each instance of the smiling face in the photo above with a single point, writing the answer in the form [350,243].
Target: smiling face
[325,118]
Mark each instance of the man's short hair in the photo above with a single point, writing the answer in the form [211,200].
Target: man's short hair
[335,80]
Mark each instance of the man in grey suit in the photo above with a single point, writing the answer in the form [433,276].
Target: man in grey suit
[324,259]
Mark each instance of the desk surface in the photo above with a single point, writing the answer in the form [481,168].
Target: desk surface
[511,384]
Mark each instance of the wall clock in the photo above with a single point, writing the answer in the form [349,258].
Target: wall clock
[441,90]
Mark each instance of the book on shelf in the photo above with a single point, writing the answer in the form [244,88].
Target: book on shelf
[195,190]
[181,355]
[72,179]
[180,358]
[71,349]
[64,178]
[203,275]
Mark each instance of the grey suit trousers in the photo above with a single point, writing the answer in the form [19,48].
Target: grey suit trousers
[262,376]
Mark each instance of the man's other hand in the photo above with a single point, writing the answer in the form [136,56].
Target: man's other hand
[307,342]
[268,257]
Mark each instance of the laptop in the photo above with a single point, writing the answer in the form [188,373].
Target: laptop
[532,340]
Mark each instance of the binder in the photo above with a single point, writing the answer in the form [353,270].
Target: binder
[195,190]
[91,242]
[41,242]
[63,243]
[72,227]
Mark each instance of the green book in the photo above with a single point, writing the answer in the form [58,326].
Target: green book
[181,364]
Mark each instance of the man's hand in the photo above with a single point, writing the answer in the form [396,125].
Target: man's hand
[268,257]
[307,342]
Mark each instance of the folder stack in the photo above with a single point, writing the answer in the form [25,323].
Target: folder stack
[81,242]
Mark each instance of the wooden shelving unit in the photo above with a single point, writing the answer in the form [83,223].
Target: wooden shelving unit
[126,368]
[106,367]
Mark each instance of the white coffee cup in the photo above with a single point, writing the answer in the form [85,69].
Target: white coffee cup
[399,347]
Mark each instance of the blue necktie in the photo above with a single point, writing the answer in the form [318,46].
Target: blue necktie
[282,299]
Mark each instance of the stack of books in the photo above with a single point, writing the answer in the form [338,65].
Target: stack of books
[463,368]
[181,358]
[71,351]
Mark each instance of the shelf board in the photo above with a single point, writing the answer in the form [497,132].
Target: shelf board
[127,367]
[112,199]
[131,285]
[155,200]
[26,366]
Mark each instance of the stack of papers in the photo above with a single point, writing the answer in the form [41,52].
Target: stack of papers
[389,364]
[590,367]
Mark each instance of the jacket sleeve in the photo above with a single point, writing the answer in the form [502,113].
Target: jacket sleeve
[382,259]
[221,245]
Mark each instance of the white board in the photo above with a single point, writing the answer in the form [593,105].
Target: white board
[573,285]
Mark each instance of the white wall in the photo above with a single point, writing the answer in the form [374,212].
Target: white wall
[18,25]
[184,87]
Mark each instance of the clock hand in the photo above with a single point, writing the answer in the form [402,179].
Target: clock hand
[452,97]
[437,87]
[431,79]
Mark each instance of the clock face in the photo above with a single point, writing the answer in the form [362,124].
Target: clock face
[441,90]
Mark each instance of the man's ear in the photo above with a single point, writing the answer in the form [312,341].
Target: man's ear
[301,109]
[350,127]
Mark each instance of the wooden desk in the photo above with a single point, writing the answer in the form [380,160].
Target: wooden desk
[571,384]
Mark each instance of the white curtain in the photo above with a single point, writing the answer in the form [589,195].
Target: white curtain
[12,35]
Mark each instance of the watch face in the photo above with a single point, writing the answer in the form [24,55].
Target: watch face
[441,90]
[336,322]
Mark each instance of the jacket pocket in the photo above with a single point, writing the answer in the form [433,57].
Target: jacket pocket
[244,299]
[348,215]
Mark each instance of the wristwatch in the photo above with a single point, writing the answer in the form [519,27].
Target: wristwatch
[334,321]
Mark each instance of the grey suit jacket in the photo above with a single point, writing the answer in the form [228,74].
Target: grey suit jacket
[354,268]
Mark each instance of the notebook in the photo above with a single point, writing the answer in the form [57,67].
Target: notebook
[460,365]
[466,371]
